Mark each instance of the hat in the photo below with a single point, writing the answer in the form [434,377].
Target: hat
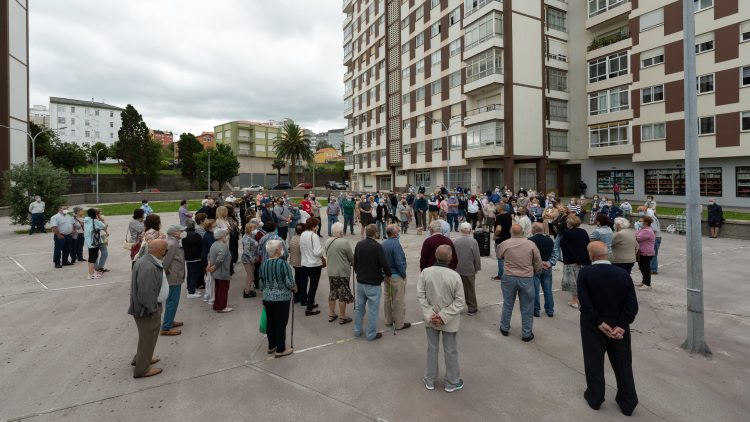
[174,229]
[189,224]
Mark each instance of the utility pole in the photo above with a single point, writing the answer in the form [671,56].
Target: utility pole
[97,175]
[695,342]
[209,172]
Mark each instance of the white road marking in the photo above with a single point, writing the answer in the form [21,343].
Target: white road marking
[27,272]
[85,285]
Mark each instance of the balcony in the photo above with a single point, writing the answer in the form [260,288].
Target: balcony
[347,20]
[470,14]
[484,113]
[349,130]
[348,75]
[348,110]
[610,9]
[487,148]
[348,6]
[347,57]
[611,38]
[488,78]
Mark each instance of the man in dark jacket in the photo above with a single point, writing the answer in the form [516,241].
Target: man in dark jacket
[430,245]
[608,307]
[370,265]
[543,278]
[420,212]
[148,290]
[192,244]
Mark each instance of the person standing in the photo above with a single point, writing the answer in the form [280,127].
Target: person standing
[469,264]
[192,246]
[441,298]
[371,268]
[616,189]
[524,221]
[365,213]
[715,218]
[184,213]
[315,206]
[582,186]
[77,241]
[174,267]
[624,245]
[543,277]
[147,210]
[522,261]
[433,206]
[573,242]
[311,251]
[646,239]
[656,227]
[602,232]
[148,290]
[283,218]
[472,211]
[36,209]
[62,227]
[420,212]
[503,223]
[394,308]
[430,245]
[452,212]
[92,232]
[276,282]
[381,217]
[332,212]
[249,258]
[339,267]
[219,261]
[295,259]
[347,206]
[608,307]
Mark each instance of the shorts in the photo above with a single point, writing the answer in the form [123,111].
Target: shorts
[340,290]
[93,255]
[366,218]
[570,277]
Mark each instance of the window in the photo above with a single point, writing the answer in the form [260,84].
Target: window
[652,94]
[652,19]
[611,66]
[420,148]
[455,142]
[111,124]
[745,31]
[435,58]
[111,114]
[745,76]
[484,64]
[558,110]
[407,149]
[73,132]
[702,4]
[455,79]
[743,181]
[72,109]
[96,112]
[556,19]
[609,134]
[405,48]
[420,93]
[436,87]
[72,120]
[455,47]
[706,84]
[61,120]
[419,39]
[484,135]
[420,12]
[706,125]
[652,57]
[557,79]
[404,22]
[704,43]
[422,178]
[406,98]
[745,121]
[483,29]
[609,101]
[60,108]
[111,135]
[437,145]
[435,29]
[606,179]
[597,7]
[653,131]
[420,66]
[407,124]
[87,134]
[672,181]
[454,17]
[434,3]
[459,176]
[558,140]
[96,134]
[420,121]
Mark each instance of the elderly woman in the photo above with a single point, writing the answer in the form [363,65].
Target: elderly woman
[624,245]
[277,285]
[219,261]
[646,238]
[222,218]
[295,259]
[92,229]
[208,240]
[135,231]
[340,259]
[602,232]
[574,243]
[249,257]
[311,251]
[104,246]
[152,226]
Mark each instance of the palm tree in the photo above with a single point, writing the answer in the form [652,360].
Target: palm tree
[278,164]
[293,145]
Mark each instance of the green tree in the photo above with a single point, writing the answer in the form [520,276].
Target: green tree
[103,154]
[188,147]
[224,164]
[139,154]
[293,145]
[43,143]
[67,155]
[277,165]
[323,143]
[23,181]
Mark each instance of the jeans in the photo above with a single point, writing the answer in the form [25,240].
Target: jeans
[617,197]
[61,253]
[453,221]
[370,294]
[103,254]
[194,275]
[450,352]
[332,219]
[170,307]
[349,222]
[543,279]
[500,267]
[524,288]
[37,221]
[381,228]
[655,259]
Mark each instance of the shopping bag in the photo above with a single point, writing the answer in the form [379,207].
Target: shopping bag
[263,321]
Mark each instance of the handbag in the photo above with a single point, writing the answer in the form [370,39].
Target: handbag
[125,244]
[96,236]
[263,321]
[322,258]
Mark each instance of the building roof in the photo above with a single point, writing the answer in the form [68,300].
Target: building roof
[59,100]
[327,151]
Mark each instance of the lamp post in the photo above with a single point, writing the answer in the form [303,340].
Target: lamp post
[33,139]
[97,174]
[209,172]
[448,145]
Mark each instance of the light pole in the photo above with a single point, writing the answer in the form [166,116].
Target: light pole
[33,139]
[448,145]
[97,174]
[209,172]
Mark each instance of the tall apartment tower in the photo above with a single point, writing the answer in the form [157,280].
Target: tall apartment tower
[14,83]
[544,93]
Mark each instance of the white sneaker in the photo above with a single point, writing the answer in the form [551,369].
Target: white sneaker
[193,295]
[94,276]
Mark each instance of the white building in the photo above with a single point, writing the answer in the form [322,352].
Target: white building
[84,121]
[14,82]
[39,114]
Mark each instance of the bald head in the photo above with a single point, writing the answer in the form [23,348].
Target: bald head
[444,254]
[537,228]
[516,230]
[597,250]
[157,248]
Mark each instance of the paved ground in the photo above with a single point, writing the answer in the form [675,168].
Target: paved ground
[66,344]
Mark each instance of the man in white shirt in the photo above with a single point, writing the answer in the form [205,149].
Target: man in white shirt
[62,227]
[36,209]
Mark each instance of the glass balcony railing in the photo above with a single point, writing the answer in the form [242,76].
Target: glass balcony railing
[484,109]
[472,6]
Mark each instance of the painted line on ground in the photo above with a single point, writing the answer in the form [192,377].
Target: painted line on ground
[27,272]
[57,289]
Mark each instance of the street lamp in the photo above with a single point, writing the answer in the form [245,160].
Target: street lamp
[33,139]
[209,172]
[447,143]
[97,174]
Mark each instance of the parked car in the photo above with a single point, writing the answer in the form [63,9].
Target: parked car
[282,186]
[150,190]
[330,184]
[254,188]
[340,186]
[304,185]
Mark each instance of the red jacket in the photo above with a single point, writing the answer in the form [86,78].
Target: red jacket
[306,206]
[430,245]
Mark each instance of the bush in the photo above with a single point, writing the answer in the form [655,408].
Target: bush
[22,183]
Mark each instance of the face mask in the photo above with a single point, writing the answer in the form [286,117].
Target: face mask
[64,210]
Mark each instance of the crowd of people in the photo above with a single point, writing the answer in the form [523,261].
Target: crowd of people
[283,254]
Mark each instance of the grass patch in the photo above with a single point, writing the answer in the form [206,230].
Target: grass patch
[662,211]
[114,168]
[161,207]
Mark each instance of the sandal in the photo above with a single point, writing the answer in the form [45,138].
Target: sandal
[345,321]
[332,318]
[574,305]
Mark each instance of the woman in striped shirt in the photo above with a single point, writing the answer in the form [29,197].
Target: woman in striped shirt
[277,285]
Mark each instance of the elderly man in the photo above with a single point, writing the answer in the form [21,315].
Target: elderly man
[430,245]
[36,209]
[521,259]
[469,264]
[174,267]
[543,278]
[608,307]
[149,288]
[62,227]
[282,216]
[394,308]
[370,265]
[441,297]
[524,221]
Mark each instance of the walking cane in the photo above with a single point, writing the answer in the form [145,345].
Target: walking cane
[354,290]
[291,342]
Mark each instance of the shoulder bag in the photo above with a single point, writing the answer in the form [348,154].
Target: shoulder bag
[322,258]
[125,244]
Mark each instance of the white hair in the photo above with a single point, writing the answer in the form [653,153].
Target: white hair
[622,222]
[220,233]
[465,228]
[436,226]
[337,230]
[272,246]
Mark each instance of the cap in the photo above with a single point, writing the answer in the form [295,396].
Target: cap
[174,229]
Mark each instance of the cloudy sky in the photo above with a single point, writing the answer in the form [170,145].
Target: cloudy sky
[187,65]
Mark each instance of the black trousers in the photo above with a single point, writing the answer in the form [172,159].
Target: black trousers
[472,218]
[301,282]
[644,264]
[627,266]
[311,278]
[595,344]
[282,232]
[277,315]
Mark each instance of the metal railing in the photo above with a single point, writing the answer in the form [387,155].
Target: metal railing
[484,109]
[483,74]
[478,4]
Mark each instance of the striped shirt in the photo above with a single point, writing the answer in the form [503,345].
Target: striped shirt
[574,208]
[276,278]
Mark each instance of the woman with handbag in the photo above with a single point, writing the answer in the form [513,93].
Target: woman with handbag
[313,262]
[92,238]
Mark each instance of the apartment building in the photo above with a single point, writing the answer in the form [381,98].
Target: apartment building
[252,142]
[83,121]
[39,114]
[543,94]
[207,139]
[165,138]
[14,82]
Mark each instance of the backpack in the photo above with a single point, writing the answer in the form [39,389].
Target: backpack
[96,235]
